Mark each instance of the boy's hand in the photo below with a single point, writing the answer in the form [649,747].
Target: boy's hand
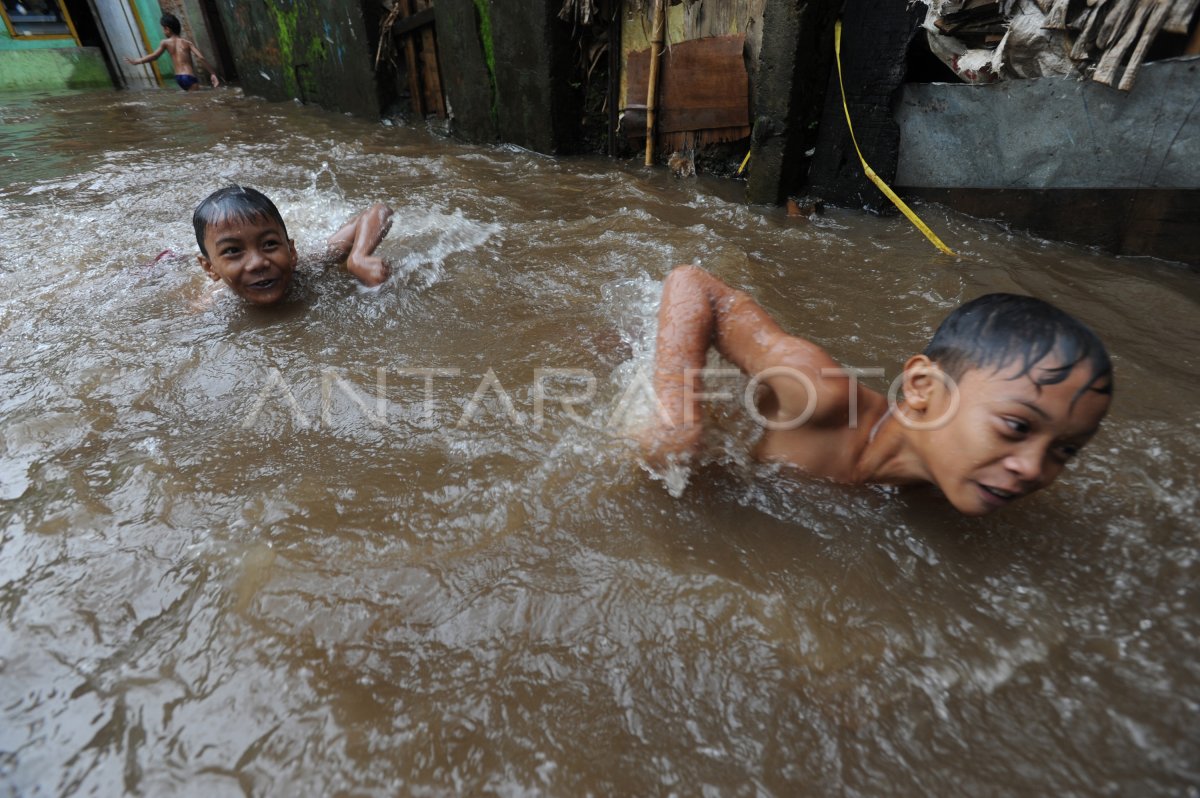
[370,271]
[213,79]
[663,445]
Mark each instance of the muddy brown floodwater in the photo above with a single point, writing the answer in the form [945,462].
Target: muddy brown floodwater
[398,541]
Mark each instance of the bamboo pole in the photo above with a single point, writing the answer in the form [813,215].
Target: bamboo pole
[656,46]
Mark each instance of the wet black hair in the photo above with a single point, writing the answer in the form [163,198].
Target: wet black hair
[996,330]
[171,23]
[233,203]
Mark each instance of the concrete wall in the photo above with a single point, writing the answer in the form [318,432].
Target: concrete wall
[875,40]
[796,55]
[536,107]
[506,66]
[467,63]
[522,38]
[318,51]
[506,71]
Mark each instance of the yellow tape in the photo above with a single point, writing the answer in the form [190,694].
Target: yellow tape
[745,161]
[870,173]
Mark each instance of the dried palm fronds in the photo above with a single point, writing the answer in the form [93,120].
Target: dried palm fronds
[581,12]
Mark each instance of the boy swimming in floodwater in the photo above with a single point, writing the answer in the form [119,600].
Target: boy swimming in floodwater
[181,51]
[244,244]
[1007,392]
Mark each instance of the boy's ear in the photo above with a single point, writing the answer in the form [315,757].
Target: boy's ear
[206,264]
[292,247]
[922,378]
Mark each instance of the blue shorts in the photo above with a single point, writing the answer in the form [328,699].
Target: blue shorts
[186,81]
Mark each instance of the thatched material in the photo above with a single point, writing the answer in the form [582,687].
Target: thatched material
[1109,38]
[581,12]
[1115,34]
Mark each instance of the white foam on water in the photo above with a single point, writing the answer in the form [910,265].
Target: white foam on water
[729,429]
[420,243]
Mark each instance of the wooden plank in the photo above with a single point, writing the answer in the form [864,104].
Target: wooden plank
[430,76]
[721,134]
[410,62]
[704,84]
[406,25]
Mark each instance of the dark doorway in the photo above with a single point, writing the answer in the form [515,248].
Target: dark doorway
[216,31]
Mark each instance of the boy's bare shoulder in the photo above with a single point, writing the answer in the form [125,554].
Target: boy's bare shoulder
[179,46]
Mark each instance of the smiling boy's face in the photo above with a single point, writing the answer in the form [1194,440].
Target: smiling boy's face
[254,257]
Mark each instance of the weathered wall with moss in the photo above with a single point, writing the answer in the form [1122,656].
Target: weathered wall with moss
[467,59]
[507,72]
[507,68]
[318,51]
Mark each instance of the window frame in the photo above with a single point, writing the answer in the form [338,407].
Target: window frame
[26,37]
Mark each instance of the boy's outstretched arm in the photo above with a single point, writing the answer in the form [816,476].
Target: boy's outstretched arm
[162,47]
[212,73]
[355,244]
[697,311]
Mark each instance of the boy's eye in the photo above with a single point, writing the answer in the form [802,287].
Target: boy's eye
[1017,425]
[1065,451]
[230,251]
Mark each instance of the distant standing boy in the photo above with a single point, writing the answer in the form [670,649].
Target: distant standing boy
[181,51]
[1003,397]
[244,244]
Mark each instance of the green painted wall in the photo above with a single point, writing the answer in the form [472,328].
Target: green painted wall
[42,68]
[149,13]
[7,42]
[36,64]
